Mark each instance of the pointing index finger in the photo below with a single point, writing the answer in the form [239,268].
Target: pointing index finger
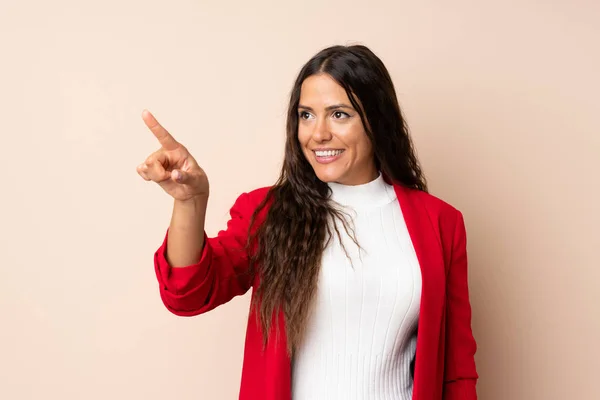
[167,141]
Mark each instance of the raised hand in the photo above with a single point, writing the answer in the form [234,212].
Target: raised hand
[172,167]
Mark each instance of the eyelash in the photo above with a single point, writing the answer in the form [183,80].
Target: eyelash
[303,113]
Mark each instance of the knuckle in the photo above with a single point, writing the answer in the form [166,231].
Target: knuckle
[152,177]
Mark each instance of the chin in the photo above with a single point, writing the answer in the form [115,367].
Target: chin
[328,174]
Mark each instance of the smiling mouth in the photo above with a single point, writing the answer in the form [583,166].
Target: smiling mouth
[327,156]
[328,153]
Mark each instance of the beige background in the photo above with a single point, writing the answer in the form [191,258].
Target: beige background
[502,100]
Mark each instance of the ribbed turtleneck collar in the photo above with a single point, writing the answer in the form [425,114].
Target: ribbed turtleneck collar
[371,194]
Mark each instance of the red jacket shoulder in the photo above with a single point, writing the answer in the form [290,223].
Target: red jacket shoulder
[256,196]
[435,205]
[248,202]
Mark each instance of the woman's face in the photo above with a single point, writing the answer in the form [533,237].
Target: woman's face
[332,135]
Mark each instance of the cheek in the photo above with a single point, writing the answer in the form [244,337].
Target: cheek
[304,140]
[303,137]
[366,149]
[359,142]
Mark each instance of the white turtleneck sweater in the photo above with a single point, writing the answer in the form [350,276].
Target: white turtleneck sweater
[361,335]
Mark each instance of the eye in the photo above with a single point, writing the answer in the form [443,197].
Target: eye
[340,115]
[304,115]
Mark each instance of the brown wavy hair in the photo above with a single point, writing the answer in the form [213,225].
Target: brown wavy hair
[290,241]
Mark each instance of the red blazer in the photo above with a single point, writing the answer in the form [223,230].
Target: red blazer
[444,365]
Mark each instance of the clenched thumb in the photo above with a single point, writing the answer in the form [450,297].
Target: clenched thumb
[180,176]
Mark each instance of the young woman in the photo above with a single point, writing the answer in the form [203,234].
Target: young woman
[359,276]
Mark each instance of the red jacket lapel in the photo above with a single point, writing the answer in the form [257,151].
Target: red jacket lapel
[431,259]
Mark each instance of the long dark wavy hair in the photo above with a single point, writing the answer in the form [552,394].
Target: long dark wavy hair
[290,241]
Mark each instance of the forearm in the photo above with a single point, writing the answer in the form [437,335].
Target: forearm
[186,232]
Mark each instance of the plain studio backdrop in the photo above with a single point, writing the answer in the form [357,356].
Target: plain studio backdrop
[502,101]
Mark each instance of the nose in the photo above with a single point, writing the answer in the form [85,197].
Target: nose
[321,132]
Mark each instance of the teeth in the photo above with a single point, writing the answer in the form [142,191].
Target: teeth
[328,153]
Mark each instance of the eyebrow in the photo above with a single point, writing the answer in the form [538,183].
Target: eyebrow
[328,108]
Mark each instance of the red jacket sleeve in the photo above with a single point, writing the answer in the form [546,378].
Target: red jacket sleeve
[220,274]
[460,372]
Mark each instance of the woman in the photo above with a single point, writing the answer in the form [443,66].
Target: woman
[346,253]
